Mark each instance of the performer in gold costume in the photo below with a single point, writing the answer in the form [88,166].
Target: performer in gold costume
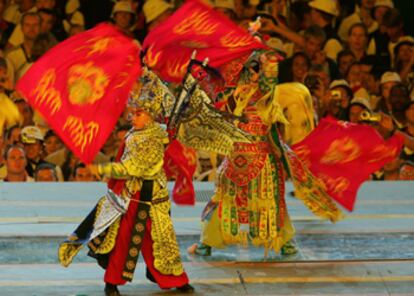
[249,203]
[134,216]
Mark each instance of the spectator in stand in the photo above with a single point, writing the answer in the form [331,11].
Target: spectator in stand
[404,61]
[226,7]
[340,98]
[323,14]
[22,53]
[82,173]
[314,39]
[16,165]
[358,40]
[394,23]
[399,100]
[408,154]
[407,171]
[6,28]
[45,172]
[362,14]
[379,39]
[299,69]
[344,60]
[155,12]
[75,29]
[17,36]
[15,9]
[123,17]
[388,80]
[12,135]
[390,171]
[26,111]
[32,139]
[370,76]
[52,143]
[73,17]
[48,20]
[299,17]
[354,79]
[356,107]
[64,159]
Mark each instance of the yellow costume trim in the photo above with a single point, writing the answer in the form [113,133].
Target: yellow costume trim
[166,252]
[110,238]
[67,251]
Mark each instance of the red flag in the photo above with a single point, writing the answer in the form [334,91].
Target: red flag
[180,163]
[81,86]
[343,155]
[196,26]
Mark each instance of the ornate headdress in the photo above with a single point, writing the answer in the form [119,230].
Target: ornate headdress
[154,96]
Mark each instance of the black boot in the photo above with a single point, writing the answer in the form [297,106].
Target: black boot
[187,288]
[111,290]
[149,276]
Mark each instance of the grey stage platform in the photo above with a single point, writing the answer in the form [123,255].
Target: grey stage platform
[371,252]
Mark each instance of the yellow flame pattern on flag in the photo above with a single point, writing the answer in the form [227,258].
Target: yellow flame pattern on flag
[341,151]
[233,40]
[198,23]
[152,58]
[382,152]
[80,133]
[336,185]
[46,94]
[97,45]
[176,68]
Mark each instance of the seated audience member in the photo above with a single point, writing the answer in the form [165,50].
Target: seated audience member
[399,100]
[82,174]
[32,140]
[123,17]
[407,171]
[356,107]
[26,111]
[51,143]
[341,96]
[404,61]
[378,45]
[344,60]
[300,68]
[16,161]
[155,12]
[354,79]
[358,41]
[21,54]
[388,80]
[45,172]
[12,135]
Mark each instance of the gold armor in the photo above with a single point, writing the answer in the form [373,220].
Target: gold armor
[143,158]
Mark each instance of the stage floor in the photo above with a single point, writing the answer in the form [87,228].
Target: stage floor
[371,252]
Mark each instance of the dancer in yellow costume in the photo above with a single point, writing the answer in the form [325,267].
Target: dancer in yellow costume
[249,203]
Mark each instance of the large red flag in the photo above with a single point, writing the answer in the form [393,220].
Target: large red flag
[196,26]
[343,155]
[81,86]
[180,164]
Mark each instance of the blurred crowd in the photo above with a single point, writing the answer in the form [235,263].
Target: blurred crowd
[355,56]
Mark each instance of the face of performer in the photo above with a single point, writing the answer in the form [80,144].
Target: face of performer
[140,118]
